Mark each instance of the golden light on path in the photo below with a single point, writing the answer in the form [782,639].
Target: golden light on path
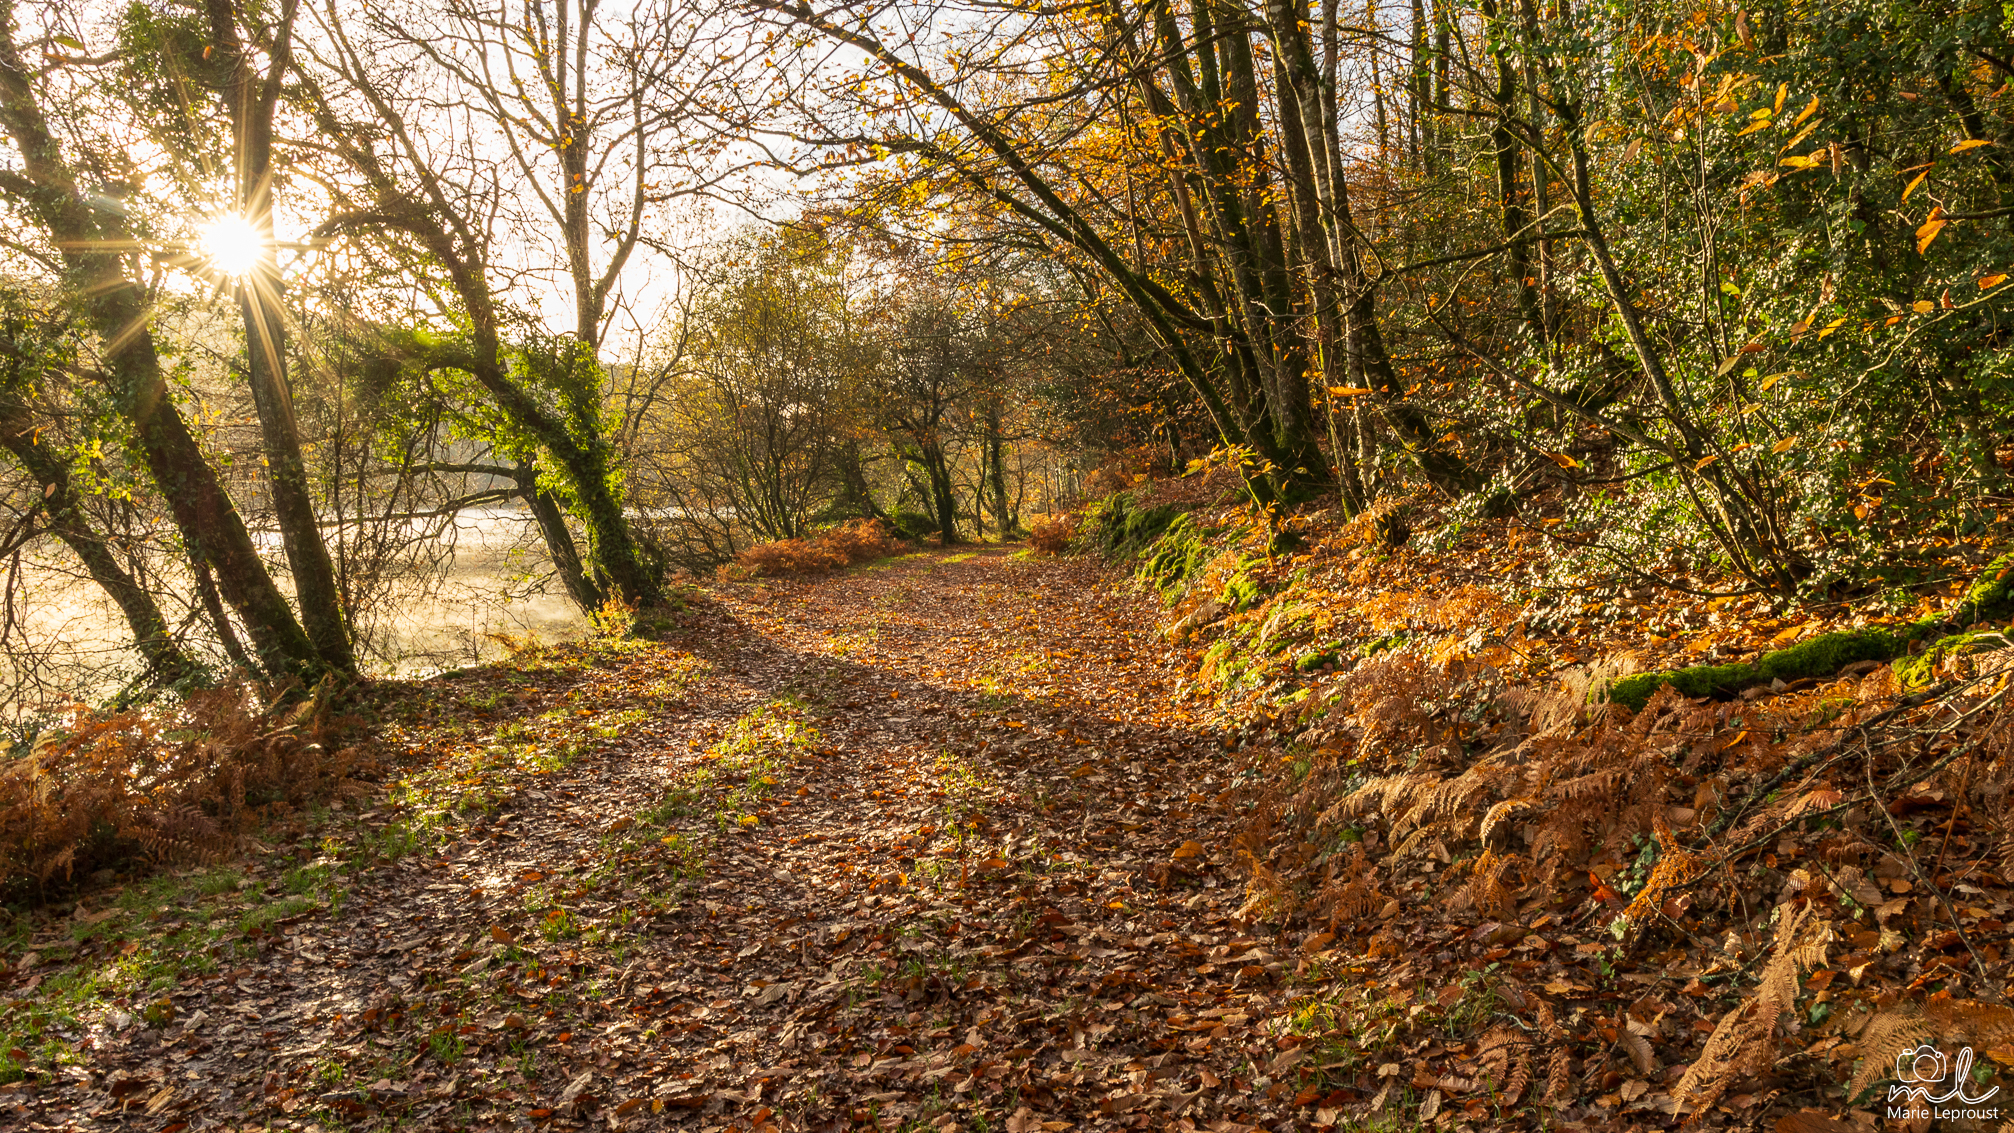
[232,245]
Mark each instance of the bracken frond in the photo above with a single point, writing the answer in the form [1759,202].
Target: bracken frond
[1496,818]
[1265,896]
[1954,1022]
[1352,892]
[1744,1043]
[174,781]
[1559,1090]
[1486,888]
[1676,867]
[1505,1053]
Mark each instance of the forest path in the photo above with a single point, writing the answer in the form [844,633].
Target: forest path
[925,844]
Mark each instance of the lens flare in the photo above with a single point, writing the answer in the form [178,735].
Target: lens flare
[232,245]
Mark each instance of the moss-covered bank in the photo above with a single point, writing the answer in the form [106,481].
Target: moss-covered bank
[1989,600]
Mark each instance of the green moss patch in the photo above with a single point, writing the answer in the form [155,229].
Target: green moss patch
[1323,655]
[1180,554]
[1378,645]
[1123,531]
[1921,669]
[1828,653]
[1991,596]
[1822,656]
[914,524]
[1235,659]
[1243,589]
[1309,662]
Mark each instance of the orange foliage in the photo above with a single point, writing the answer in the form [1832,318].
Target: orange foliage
[855,541]
[1052,534]
[178,785]
[1105,481]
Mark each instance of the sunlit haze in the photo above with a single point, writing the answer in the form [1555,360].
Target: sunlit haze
[231,245]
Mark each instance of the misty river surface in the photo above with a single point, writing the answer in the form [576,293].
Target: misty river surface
[65,637]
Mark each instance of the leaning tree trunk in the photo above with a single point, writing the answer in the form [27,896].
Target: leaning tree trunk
[167,662]
[558,537]
[94,236]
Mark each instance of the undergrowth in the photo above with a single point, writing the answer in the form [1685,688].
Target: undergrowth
[851,542]
[106,967]
[172,784]
[148,793]
[1578,891]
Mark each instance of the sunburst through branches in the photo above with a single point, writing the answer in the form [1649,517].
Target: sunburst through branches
[232,245]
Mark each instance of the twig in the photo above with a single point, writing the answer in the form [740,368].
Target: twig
[1957,806]
[1986,983]
[1897,786]
[1798,766]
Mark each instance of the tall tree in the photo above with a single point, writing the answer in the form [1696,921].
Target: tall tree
[238,37]
[926,373]
[767,383]
[591,111]
[75,202]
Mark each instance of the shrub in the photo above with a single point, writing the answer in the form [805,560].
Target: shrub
[915,525]
[175,784]
[1052,534]
[855,541]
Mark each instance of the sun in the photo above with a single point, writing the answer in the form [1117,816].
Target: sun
[232,245]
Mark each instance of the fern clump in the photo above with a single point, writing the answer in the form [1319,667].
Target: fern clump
[175,784]
[1744,1044]
[1894,1030]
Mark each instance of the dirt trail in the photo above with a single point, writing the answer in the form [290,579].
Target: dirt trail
[925,844]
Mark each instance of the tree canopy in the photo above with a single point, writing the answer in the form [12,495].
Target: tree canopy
[690,276]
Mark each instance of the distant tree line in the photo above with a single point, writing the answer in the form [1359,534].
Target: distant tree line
[286,286]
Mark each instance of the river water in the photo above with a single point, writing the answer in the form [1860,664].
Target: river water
[66,642]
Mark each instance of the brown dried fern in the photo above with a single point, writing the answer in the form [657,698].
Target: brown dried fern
[1486,888]
[179,783]
[181,833]
[1744,1043]
[1956,1022]
[1676,868]
[1352,891]
[1506,1053]
[1266,897]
